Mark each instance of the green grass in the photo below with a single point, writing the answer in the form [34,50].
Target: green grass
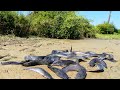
[108,36]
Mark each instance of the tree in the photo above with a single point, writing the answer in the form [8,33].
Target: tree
[60,24]
[7,22]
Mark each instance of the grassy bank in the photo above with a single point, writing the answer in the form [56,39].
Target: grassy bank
[98,36]
[108,36]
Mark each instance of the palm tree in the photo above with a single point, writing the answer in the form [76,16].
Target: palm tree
[109,16]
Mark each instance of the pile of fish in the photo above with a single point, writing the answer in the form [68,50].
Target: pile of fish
[71,63]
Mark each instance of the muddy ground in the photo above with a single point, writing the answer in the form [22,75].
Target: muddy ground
[14,49]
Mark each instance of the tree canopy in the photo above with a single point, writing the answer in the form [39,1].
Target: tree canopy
[50,24]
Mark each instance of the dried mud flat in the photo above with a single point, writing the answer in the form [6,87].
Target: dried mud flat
[14,49]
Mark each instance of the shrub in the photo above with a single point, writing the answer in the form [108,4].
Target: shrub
[22,25]
[60,24]
[118,31]
[107,28]
[50,24]
[7,24]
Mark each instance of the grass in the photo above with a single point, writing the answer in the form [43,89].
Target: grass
[6,36]
[108,36]
[98,36]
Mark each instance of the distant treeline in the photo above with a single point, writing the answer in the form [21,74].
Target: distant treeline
[51,24]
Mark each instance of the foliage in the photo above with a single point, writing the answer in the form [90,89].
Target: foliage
[119,31]
[12,23]
[50,24]
[108,36]
[60,24]
[22,25]
[7,23]
[107,28]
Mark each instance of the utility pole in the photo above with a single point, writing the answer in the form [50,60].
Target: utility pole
[109,16]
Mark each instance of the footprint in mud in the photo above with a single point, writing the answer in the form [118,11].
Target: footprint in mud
[8,58]
[4,56]
[49,43]
[23,49]
[20,45]
[117,43]
[5,59]
[13,57]
[114,69]
[37,45]
[2,49]
[31,50]
[5,71]
[5,45]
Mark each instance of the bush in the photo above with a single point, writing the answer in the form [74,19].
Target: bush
[107,28]
[7,24]
[12,23]
[71,29]
[50,24]
[22,25]
[118,31]
[60,24]
[90,32]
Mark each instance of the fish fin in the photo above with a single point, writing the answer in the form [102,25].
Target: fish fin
[96,71]
[71,49]
[10,63]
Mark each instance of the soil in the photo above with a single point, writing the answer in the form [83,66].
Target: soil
[15,49]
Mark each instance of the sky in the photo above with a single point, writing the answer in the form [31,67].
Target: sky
[97,17]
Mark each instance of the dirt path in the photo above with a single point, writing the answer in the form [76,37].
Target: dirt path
[14,49]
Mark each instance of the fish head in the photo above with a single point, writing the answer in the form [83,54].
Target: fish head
[92,63]
[110,57]
[54,52]
[27,57]
[66,51]
[112,60]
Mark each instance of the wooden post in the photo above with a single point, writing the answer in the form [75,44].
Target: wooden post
[109,16]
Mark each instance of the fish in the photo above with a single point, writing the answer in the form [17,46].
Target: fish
[63,63]
[59,72]
[40,71]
